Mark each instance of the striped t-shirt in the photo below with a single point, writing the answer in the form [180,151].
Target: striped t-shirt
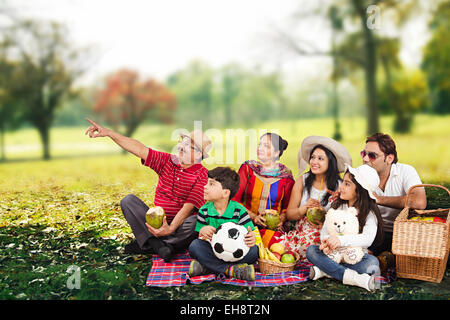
[176,185]
[235,212]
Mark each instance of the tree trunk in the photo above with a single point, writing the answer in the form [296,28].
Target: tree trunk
[44,133]
[335,98]
[337,126]
[370,69]
[402,122]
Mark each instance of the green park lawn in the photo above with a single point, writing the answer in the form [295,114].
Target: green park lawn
[63,212]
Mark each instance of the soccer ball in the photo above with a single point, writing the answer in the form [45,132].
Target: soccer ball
[228,242]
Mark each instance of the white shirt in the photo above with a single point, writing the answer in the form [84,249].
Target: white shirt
[363,239]
[401,178]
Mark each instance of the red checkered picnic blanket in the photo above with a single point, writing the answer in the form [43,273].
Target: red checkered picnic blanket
[175,273]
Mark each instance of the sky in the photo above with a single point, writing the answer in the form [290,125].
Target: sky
[160,37]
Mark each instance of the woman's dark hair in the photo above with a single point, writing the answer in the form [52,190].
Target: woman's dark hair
[364,203]
[278,143]
[228,178]
[331,176]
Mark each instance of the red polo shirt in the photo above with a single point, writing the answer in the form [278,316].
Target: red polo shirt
[176,185]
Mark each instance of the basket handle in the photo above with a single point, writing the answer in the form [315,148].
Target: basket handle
[423,185]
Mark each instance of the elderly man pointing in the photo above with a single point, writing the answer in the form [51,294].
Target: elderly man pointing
[182,178]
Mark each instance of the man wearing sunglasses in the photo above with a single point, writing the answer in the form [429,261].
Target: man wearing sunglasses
[179,192]
[395,180]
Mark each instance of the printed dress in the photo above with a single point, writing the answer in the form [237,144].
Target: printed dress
[304,234]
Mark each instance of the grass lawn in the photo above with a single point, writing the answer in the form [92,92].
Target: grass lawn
[64,212]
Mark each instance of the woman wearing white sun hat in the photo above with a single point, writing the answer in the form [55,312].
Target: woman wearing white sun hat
[326,158]
[355,191]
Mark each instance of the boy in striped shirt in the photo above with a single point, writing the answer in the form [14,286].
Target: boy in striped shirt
[222,185]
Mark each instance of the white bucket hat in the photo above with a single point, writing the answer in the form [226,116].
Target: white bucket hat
[367,177]
[340,152]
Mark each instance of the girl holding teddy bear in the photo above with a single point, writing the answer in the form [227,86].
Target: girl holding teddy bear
[355,191]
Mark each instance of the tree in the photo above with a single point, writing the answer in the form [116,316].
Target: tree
[232,77]
[436,60]
[127,101]
[194,89]
[261,97]
[408,92]
[47,66]
[336,26]
[363,15]
[240,95]
[369,65]
[351,10]
[10,117]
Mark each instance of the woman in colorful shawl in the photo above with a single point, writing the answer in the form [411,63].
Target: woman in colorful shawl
[266,183]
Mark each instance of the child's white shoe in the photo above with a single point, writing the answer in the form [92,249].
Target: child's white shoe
[315,273]
[364,280]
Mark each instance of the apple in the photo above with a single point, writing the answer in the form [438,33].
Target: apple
[290,252]
[287,258]
[276,254]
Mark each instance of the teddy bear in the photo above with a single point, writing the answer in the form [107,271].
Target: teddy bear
[343,222]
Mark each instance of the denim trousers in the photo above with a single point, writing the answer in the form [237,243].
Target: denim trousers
[369,264]
[201,251]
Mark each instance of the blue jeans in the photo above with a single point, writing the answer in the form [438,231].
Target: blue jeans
[201,251]
[369,264]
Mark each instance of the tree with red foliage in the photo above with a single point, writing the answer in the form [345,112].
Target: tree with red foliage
[127,101]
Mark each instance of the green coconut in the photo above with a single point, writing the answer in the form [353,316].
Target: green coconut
[315,215]
[155,217]
[272,219]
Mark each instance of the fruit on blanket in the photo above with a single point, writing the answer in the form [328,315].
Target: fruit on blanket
[155,217]
[277,248]
[287,258]
[315,215]
[272,218]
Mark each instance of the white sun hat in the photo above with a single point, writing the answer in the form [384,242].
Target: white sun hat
[340,152]
[367,177]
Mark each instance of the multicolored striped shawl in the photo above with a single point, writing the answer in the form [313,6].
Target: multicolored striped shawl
[256,189]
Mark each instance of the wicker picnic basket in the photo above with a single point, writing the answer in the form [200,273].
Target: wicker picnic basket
[269,266]
[421,248]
